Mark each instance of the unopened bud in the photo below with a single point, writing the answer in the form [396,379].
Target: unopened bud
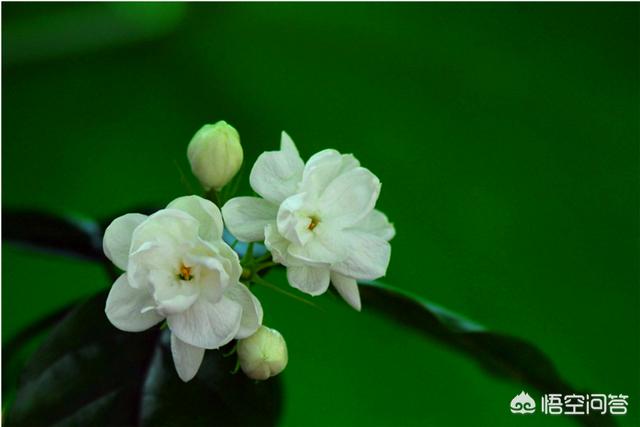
[263,354]
[215,155]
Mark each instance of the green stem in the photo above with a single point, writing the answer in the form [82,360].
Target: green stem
[213,196]
[260,281]
[264,257]
[248,256]
[232,351]
[236,368]
[262,266]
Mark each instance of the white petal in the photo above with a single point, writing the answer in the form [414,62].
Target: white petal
[276,174]
[376,223]
[251,309]
[367,256]
[347,288]
[229,258]
[186,358]
[326,247]
[168,228]
[293,220]
[117,238]
[323,167]
[349,198]
[287,144]
[148,257]
[205,211]
[171,294]
[210,276]
[310,280]
[128,308]
[177,304]
[313,253]
[246,217]
[277,245]
[207,325]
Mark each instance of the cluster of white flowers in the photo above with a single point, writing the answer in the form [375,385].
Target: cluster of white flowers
[316,219]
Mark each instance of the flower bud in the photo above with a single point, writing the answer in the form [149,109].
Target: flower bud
[263,354]
[215,155]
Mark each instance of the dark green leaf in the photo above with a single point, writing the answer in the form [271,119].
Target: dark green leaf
[87,373]
[215,396]
[501,355]
[81,238]
[145,374]
[76,237]
[22,340]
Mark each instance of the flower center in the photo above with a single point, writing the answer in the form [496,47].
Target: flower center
[314,222]
[185,273]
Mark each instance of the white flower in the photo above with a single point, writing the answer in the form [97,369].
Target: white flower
[179,269]
[263,354]
[215,155]
[316,219]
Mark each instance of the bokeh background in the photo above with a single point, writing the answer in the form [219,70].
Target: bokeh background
[506,137]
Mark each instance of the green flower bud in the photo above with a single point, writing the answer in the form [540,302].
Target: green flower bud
[263,354]
[215,155]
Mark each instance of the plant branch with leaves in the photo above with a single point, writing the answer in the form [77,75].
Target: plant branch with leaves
[184,286]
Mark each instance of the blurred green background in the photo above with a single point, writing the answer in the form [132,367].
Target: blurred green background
[506,137]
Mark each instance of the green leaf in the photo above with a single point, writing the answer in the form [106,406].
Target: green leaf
[505,356]
[76,237]
[89,373]
[38,230]
[501,355]
[25,338]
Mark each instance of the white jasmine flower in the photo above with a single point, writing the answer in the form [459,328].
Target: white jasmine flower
[316,219]
[263,354]
[179,269]
[215,155]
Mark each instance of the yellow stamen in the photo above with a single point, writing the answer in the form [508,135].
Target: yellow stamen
[313,224]
[185,273]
